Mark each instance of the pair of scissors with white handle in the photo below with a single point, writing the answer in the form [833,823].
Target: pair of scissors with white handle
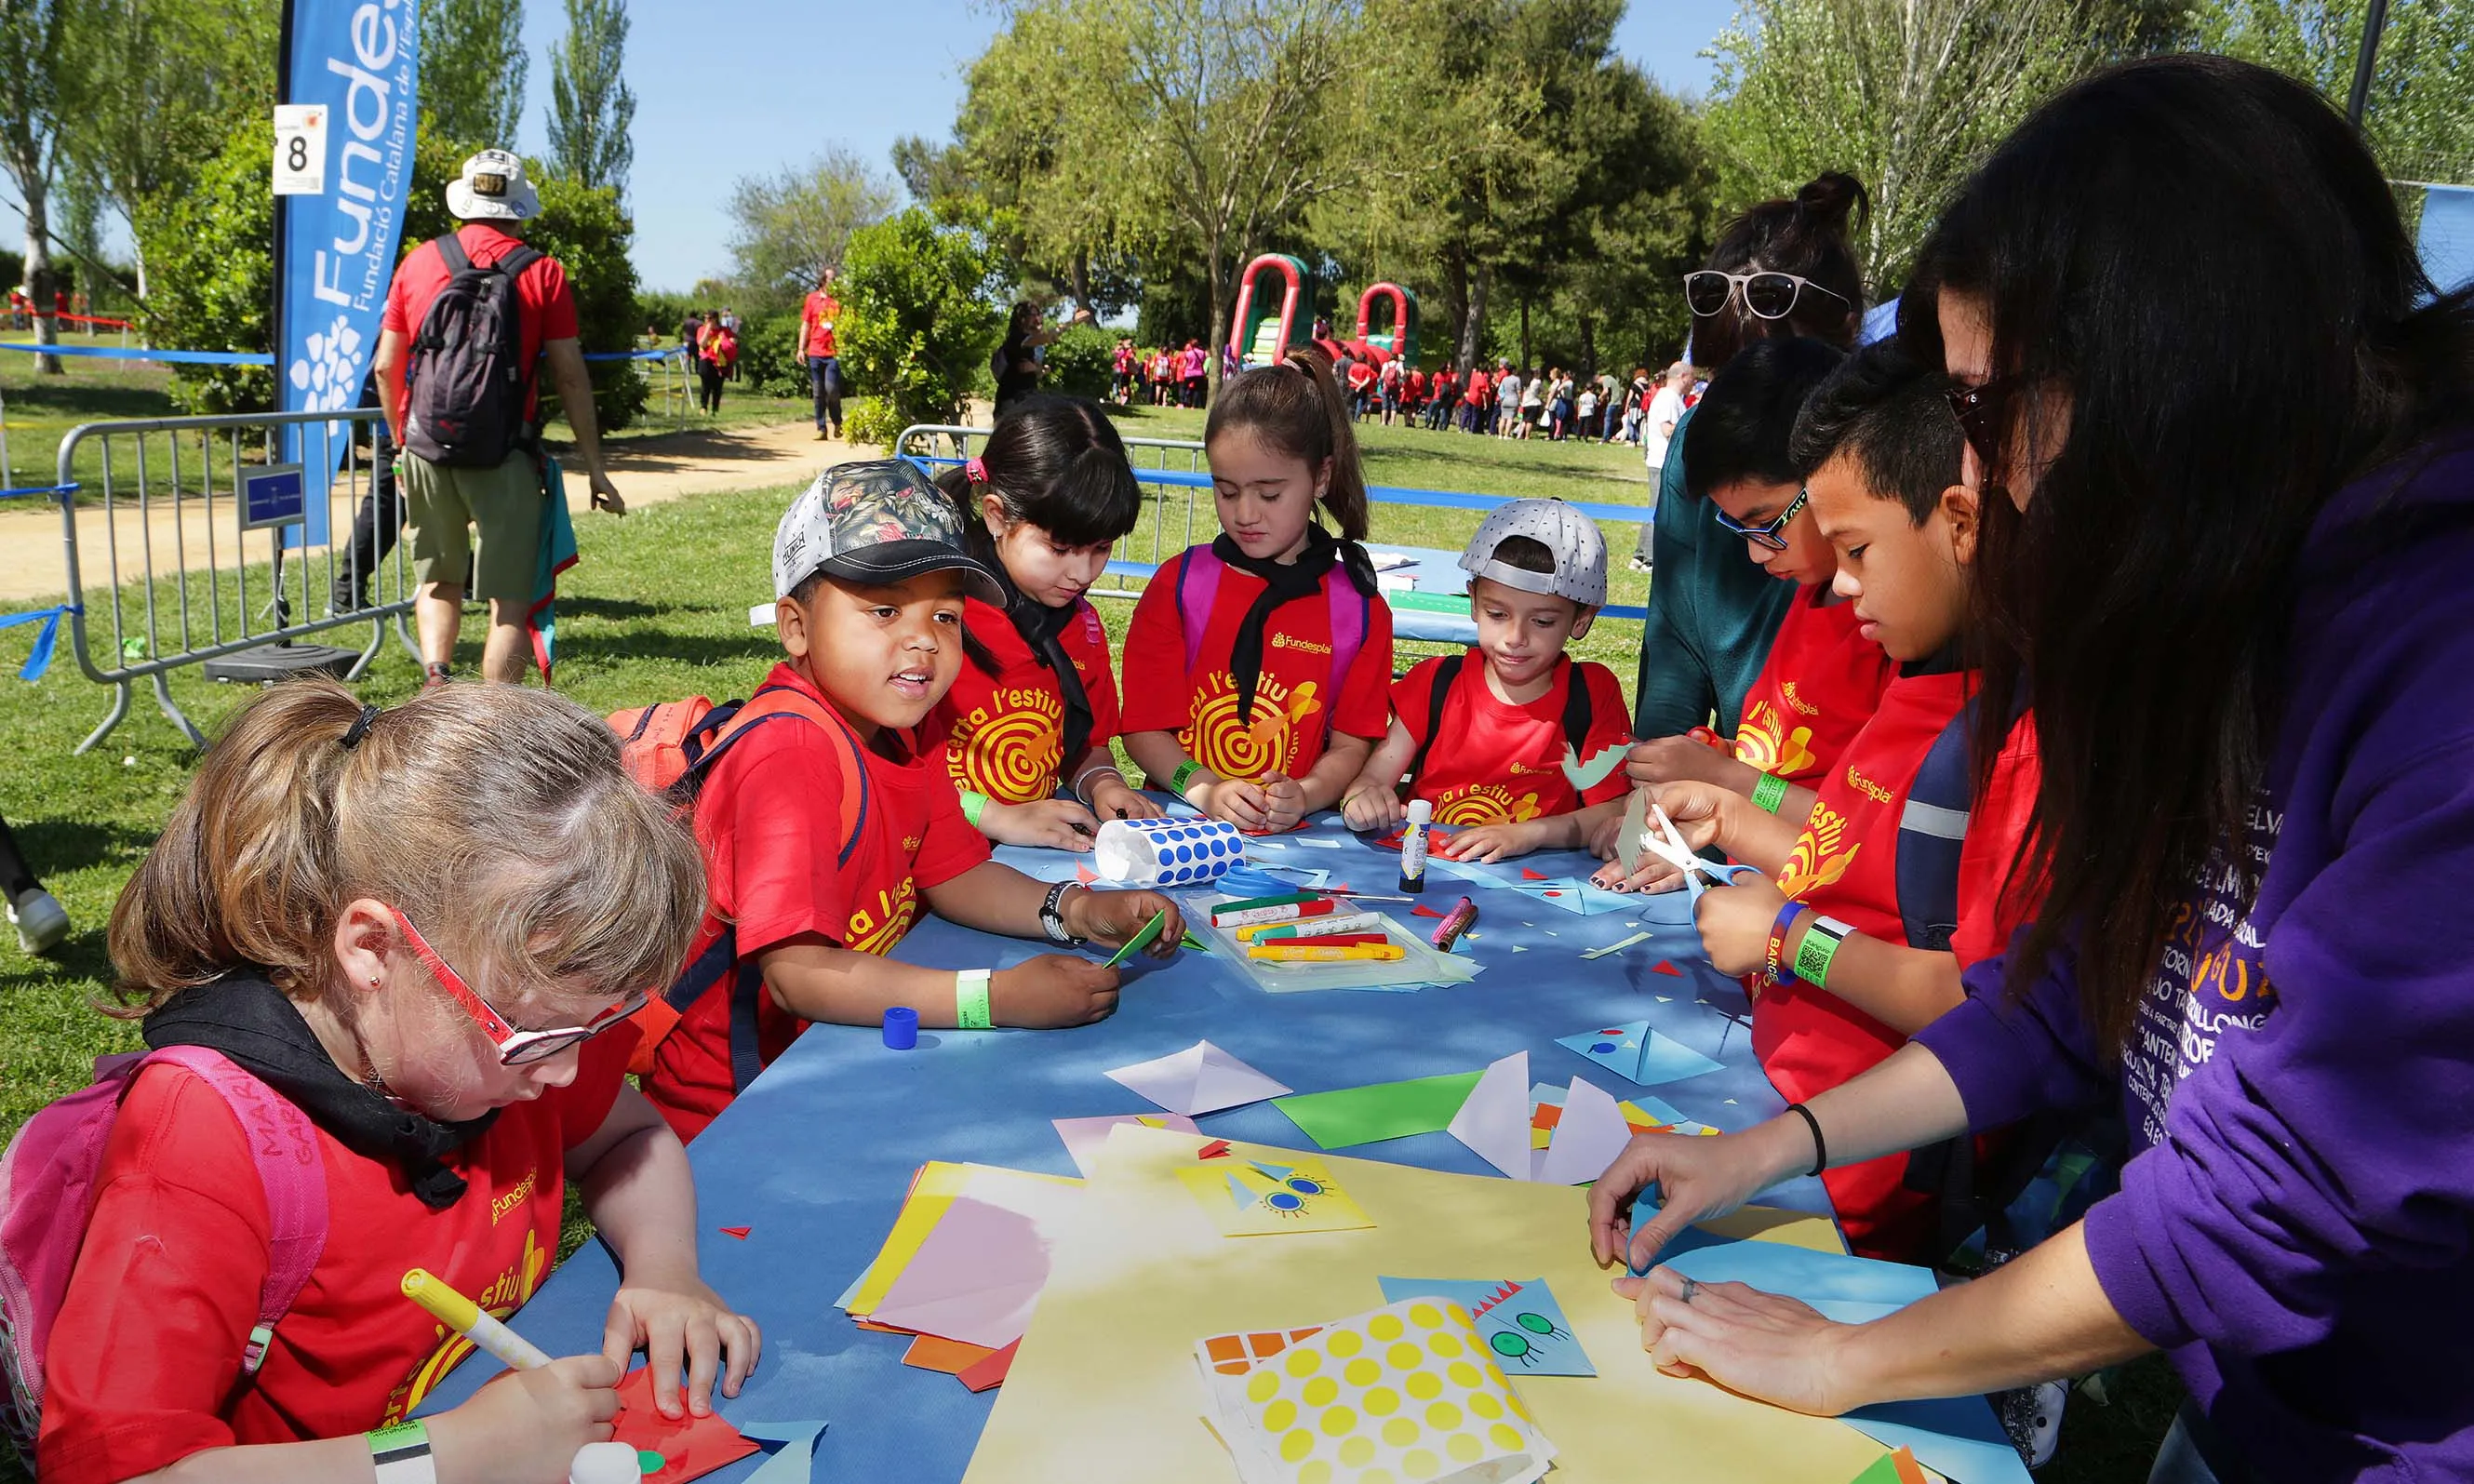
[1666,842]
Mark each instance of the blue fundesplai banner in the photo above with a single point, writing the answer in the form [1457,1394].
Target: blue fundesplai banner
[359,59]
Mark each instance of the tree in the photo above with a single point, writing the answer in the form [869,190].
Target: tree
[790,226]
[918,321]
[1905,95]
[472,70]
[1196,126]
[591,107]
[158,75]
[2420,114]
[34,100]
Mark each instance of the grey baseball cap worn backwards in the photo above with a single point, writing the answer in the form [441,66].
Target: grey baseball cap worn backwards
[875,522]
[1580,551]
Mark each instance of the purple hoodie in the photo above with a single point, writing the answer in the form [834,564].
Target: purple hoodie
[2295,1224]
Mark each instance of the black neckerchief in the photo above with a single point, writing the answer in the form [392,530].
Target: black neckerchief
[249,1020]
[1285,583]
[1043,629]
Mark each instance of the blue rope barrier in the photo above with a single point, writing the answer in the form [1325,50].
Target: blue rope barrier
[1385,494]
[61,491]
[45,638]
[233,358]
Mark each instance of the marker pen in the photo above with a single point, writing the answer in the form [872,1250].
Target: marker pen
[1302,953]
[1284,911]
[1319,927]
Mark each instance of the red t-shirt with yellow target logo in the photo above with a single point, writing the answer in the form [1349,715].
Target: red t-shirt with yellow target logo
[1818,689]
[1293,698]
[150,1336]
[769,819]
[1498,763]
[1005,732]
[1845,866]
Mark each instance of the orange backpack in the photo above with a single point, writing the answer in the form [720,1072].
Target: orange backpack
[670,748]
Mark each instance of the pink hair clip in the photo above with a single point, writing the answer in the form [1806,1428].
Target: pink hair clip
[975,471]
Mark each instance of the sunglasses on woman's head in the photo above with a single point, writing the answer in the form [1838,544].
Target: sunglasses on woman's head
[1769,533]
[515,1048]
[1769,296]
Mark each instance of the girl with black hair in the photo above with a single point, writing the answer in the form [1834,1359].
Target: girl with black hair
[2226,440]
[1784,268]
[1017,362]
[1258,668]
[1034,705]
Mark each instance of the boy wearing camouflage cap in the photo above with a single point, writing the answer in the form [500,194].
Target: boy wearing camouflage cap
[823,837]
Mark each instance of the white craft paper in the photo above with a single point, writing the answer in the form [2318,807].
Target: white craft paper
[1202,1078]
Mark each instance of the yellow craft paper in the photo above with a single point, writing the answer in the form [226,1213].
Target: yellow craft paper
[1105,1387]
[1296,1194]
[930,1198]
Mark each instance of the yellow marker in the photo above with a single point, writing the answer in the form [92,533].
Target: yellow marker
[465,1317]
[1302,953]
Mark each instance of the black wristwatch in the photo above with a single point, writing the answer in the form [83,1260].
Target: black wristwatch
[1052,922]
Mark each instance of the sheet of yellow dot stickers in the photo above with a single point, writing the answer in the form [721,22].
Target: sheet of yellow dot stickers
[1403,1394]
[1149,1311]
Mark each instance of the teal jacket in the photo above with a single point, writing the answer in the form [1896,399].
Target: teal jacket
[1712,614]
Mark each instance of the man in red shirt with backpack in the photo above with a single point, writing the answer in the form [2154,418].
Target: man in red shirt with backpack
[469,318]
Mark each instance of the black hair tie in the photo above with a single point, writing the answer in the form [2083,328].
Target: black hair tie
[360,728]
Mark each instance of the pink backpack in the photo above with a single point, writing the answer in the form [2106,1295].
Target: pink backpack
[47,1196]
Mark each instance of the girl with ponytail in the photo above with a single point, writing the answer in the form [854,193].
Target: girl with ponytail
[1258,666]
[413,937]
[1035,705]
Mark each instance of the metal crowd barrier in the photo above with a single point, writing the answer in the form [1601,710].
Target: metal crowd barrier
[174,507]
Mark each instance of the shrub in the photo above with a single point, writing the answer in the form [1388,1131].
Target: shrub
[918,316]
[1081,362]
[769,361]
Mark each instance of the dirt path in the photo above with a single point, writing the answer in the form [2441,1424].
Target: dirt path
[647,470]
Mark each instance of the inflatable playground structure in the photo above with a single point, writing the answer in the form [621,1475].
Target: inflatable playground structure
[1276,310]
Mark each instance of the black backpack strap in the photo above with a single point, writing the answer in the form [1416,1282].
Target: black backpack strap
[1932,833]
[450,251]
[1447,672]
[1579,710]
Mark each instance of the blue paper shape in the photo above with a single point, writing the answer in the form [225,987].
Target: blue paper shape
[1957,1437]
[1635,1052]
[795,1461]
[1523,1327]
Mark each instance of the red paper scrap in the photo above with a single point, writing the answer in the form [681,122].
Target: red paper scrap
[1215,1149]
[1422,910]
[1084,874]
[989,1374]
[689,1447]
[1664,968]
[1550,893]
[1526,874]
[740,1232]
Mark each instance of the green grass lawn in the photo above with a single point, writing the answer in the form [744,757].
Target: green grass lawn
[658,610]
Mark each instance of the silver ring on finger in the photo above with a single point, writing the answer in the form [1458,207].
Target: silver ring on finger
[1690,1288]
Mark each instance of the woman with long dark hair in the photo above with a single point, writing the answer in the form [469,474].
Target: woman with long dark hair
[1784,268]
[2227,444]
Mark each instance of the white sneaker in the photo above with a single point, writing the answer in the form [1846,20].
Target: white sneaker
[41,922]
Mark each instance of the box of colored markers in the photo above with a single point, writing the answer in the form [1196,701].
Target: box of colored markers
[1318,940]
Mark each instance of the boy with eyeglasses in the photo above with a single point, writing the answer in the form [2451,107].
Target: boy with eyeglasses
[1823,676]
[1897,875]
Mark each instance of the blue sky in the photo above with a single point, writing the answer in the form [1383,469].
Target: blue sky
[748,86]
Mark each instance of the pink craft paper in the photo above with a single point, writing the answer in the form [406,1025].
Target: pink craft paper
[973,1279]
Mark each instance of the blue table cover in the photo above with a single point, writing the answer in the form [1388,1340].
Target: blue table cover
[816,1156]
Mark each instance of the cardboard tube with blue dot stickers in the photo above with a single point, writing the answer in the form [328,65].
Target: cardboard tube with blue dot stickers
[1166,852]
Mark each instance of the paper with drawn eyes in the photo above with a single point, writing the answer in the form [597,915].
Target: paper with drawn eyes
[1584,776]
[1523,1325]
[1957,1437]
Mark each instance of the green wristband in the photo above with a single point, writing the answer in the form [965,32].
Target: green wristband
[971,1000]
[1819,947]
[1184,774]
[400,1454]
[1769,794]
[972,805]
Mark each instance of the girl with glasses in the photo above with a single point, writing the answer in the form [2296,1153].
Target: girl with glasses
[422,930]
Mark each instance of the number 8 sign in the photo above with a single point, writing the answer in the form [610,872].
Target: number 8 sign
[300,149]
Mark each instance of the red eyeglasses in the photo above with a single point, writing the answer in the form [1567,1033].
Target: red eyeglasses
[515,1048]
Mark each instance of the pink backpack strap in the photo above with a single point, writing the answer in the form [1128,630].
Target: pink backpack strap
[1197,595]
[1348,613]
[284,1144]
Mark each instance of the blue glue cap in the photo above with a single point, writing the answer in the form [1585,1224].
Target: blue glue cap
[901,1028]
